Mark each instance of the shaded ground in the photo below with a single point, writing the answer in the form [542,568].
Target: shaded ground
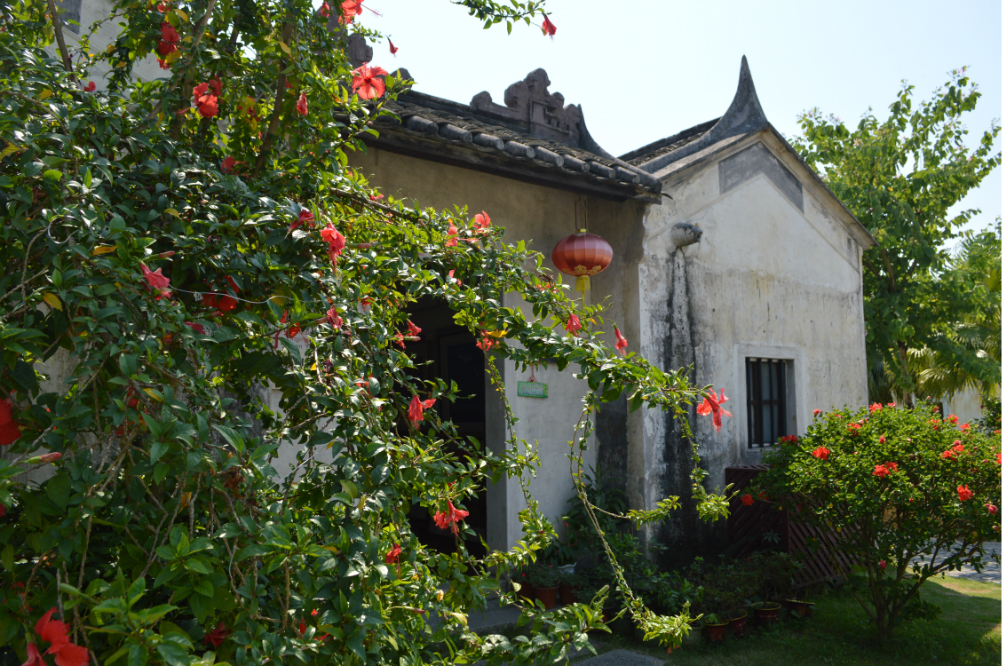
[967,633]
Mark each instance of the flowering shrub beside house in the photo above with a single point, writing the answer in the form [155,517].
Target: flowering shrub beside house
[900,487]
[168,239]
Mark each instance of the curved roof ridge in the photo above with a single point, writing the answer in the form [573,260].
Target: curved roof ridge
[744,115]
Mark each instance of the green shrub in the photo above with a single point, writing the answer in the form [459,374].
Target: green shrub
[899,487]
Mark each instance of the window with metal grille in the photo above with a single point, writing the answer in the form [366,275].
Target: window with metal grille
[766,391]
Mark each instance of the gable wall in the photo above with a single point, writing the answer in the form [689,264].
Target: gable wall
[775,275]
[541,216]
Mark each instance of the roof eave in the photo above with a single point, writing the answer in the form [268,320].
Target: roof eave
[471,156]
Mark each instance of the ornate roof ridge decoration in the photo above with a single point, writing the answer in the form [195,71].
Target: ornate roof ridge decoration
[535,136]
[743,116]
[530,104]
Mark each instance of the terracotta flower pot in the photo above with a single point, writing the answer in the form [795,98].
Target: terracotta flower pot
[766,613]
[715,633]
[803,609]
[738,625]
[548,595]
[568,595]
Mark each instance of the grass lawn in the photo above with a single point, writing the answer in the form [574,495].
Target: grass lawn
[965,634]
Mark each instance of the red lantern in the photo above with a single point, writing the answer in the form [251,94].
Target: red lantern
[582,255]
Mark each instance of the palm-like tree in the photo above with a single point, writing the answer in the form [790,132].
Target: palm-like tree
[967,355]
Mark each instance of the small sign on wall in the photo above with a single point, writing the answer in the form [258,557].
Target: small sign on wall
[533,390]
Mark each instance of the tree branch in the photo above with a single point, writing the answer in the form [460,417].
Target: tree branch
[57,26]
[276,112]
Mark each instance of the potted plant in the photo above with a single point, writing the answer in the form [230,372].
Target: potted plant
[714,629]
[774,574]
[569,584]
[544,579]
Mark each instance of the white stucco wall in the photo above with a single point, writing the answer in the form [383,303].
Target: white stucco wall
[92,11]
[966,405]
[766,280]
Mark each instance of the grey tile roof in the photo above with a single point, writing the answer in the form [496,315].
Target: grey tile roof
[493,137]
[668,144]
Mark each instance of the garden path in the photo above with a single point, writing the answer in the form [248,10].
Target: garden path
[991,572]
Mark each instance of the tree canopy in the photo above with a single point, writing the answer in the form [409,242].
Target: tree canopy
[901,177]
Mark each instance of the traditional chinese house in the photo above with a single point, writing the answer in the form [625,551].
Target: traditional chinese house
[750,273]
[730,256]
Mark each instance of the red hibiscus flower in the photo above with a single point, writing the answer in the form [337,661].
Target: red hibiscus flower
[747,500]
[882,564]
[958,447]
[333,319]
[366,82]
[992,509]
[881,471]
[90,87]
[305,217]
[485,342]
[413,331]
[198,328]
[228,164]
[168,39]
[711,405]
[350,9]
[391,557]
[415,411]
[883,440]
[821,453]
[452,275]
[224,302]
[952,418]
[72,655]
[335,242]
[573,325]
[52,632]
[854,427]
[452,233]
[482,222]
[216,85]
[301,106]
[205,102]
[964,493]
[817,412]
[621,344]
[875,407]
[393,49]
[892,466]
[548,28]
[49,457]
[154,279]
[892,405]
[998,459]
[217,635]
[450,517]
[34,658]
[948,455]
[325,10]
[10,430]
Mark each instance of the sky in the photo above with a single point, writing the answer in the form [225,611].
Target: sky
[645,69]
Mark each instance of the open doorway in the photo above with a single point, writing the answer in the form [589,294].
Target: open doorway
[449,352]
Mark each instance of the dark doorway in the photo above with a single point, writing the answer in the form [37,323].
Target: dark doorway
[450,352]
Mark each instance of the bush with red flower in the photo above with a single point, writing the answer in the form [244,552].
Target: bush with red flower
[169,238]
[909,495]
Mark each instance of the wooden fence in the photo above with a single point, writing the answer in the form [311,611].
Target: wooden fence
[761,526]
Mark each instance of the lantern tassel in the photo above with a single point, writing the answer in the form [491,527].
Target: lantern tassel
[583,283]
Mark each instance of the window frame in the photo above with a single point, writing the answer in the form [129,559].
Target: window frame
[755,405]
